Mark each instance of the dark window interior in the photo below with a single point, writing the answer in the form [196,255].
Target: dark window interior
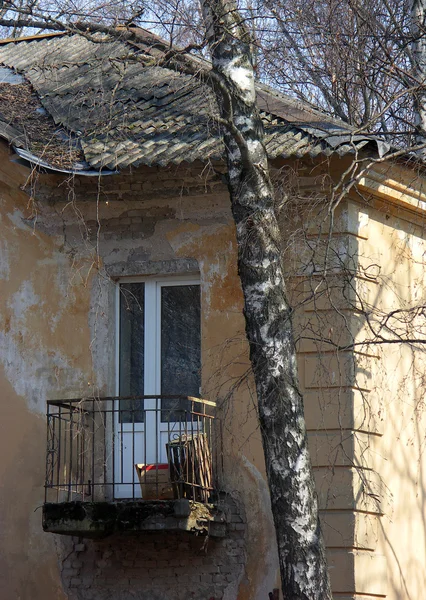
[132,351]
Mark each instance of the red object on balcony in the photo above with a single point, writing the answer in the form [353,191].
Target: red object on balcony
[155,481]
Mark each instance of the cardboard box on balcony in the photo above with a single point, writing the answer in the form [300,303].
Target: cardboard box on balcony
[154,481]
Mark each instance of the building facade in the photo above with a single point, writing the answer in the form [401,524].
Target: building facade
[120,281]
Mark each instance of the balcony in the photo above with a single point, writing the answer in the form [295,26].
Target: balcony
[132,464]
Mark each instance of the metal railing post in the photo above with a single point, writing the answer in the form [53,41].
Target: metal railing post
[192,452]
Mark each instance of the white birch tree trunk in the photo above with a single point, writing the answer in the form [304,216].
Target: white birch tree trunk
[301,551]
[418,22]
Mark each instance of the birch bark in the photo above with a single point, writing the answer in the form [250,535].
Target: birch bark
[267,312]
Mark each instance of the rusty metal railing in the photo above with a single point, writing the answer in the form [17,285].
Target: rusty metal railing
[138,447]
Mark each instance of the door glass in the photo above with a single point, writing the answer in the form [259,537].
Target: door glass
[132,351]
[180,347]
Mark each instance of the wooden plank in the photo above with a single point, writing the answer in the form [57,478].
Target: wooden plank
[202,401]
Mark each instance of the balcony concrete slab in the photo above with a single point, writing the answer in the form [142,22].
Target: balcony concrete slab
[100,519]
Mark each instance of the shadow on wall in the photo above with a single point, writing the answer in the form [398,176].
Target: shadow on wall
[353,290]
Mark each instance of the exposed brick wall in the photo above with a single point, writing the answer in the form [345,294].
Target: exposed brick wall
[143,183]
[136,224]
[157,566]
[127,206]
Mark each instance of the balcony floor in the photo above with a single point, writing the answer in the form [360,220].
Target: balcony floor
[100,519]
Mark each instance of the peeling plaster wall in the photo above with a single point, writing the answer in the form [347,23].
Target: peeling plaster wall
[41,355]
[60,261]
[58,339]
[33,321]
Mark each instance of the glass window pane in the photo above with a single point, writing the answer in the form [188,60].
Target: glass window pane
[132,351]
[180,347]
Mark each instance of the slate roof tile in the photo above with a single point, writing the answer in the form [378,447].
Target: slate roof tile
[124,113]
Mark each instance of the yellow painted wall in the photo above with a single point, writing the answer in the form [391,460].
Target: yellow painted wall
[58,323]
[40,354]
[399,454]
[364,409]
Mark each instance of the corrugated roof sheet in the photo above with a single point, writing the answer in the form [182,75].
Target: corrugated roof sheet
[123,112]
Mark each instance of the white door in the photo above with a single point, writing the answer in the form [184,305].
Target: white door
[159,354]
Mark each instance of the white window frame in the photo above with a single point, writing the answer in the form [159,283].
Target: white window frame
[152,372]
